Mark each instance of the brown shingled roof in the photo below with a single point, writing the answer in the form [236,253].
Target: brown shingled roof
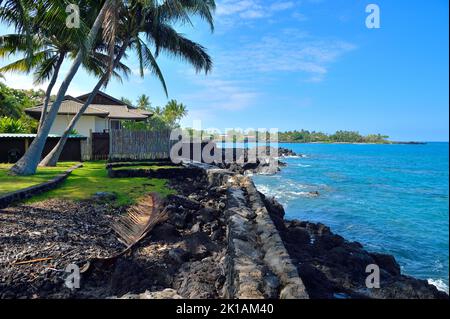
[121,112]
[72,105]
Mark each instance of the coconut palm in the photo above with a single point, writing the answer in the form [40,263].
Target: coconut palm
[38,50]
[143,102]
[151,19]
[47,13]
[127,101]
[48,55]
[174,111]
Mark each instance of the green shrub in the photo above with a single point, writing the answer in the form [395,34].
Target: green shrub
[10,125]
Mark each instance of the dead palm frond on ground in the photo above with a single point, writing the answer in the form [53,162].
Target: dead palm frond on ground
[139,220]
[132,228]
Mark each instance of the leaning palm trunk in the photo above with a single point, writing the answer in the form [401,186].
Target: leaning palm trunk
[27,165]
[52,158]
[48,93]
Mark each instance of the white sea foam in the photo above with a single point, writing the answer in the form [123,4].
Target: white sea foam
[439,284]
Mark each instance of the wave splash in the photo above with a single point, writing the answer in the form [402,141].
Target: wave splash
[439,284]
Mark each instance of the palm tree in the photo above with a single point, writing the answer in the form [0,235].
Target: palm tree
[126,100]
[49,53]
[174,112]
[56,10]
[152,20]
[143,102]
[44,52]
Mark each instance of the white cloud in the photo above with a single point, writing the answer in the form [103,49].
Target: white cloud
[299,16]
[251,9]
[282,5]
[288,51]
[218,94]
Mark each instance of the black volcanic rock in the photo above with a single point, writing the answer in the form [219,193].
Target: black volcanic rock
[332,267]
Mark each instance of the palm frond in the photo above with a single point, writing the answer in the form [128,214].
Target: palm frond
[110,26]
[151,64]
[17,13]
[98,64]
[140,220]
[173,43]
[45,69]
[17,43]
[51,18]
[25,65]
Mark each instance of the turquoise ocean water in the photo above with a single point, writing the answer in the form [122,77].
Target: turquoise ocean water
[391,198]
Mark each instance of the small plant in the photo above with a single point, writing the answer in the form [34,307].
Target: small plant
[13,126]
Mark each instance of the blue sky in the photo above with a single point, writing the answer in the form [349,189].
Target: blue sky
[310,64]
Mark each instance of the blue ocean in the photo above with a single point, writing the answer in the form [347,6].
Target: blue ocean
[391,198]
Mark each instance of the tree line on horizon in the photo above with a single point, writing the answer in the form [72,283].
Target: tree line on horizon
[296,136]
[341,136]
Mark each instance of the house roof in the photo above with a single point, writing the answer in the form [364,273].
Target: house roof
[102,95]
[71,106]
[121,112]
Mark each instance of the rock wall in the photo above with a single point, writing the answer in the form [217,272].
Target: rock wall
[257,263]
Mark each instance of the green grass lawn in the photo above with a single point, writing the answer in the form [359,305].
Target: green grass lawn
[85,182]
[150,167]
[12,183]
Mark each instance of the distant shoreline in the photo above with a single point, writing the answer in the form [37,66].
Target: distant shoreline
[363,143]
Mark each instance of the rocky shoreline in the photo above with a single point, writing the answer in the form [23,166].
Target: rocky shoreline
[267,161]
[221,239]
[333,268]
[330,266]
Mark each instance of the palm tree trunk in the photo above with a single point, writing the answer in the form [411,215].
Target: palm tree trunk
[27,165]
[52,158]
[48,93]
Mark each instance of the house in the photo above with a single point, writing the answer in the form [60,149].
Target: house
[105,113]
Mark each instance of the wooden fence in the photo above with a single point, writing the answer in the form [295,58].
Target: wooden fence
[139,145]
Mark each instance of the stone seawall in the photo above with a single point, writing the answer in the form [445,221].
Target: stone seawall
[270,257]
[257,263]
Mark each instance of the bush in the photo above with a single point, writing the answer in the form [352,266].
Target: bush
[10,125]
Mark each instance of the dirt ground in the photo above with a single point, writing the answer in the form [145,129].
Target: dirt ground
[185,253]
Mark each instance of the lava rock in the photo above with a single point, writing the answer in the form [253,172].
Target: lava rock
[165,232]
[184,202]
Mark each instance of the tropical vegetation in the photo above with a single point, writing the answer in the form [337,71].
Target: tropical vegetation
[10,125]
[167,117]
[302,136]
[136,25]
[13,103]
[305,136]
